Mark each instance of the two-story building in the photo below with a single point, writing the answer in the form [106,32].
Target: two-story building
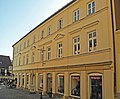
[71,53]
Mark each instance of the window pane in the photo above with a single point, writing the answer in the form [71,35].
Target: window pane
[89,11]
[93,9]
[89,6]
[95,43]
[75,85]
[95,87]
[93,4]
[90,43]
[94,34]
[41,81]
[78,47]
[90,35]
[78,39]
[78,14]
[75,48]
[75,40]
[61,83]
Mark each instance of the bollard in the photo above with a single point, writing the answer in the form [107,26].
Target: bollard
[40,94]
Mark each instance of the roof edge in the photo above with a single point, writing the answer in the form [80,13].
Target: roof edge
[68,4]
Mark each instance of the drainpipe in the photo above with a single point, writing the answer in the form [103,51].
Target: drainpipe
[114,51]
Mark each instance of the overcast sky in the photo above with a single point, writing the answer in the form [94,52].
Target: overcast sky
[18,17]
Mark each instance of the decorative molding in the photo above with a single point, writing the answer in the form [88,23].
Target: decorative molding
[84,27]
[46,43]
[59,36]
[33,47]
[74,31]
[90,24]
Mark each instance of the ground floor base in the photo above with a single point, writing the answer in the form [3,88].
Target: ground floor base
[95,82]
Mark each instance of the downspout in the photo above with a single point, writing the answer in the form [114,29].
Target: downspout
[114,51]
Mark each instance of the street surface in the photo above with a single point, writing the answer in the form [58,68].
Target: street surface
[13,93]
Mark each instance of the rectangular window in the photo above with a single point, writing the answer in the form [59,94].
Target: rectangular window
[34,39]
[76,15]
[19,79]
[27,43]
[20,47]
[24,44]
[27,58]
[19,61]
[23,60]
[33,57]
[41,81]
[75,85]
[22,79]
[61,83]
[95,87]
[49,30]
[91,7]
[48,53]
[60,23]
[42,34]
[92,41]
[59,50]
[42,55]
[27,79]
[76,46]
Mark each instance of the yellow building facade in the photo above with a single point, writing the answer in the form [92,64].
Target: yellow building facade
[70,54]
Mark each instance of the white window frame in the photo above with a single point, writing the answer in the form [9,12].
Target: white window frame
[23,79]
[20,47]
[76,15]
[27,58]
[60,23]
[94,74]
[71,83]
[27,80]
[24,45]
[34,37]
[42,34]
[58,84]
[33,57]
[41,83]
[49,30]
[48,53]
[59,50]
[93,38]
[90,9]
[27,43]
[19,61]
[24,60]
[77,44]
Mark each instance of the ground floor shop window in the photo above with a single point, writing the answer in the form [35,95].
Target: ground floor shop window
[49,82]
[41,81]
[61,83]
[95,85]
[27,79]
[23,80]
[75,85]
[19,80]
[32,78]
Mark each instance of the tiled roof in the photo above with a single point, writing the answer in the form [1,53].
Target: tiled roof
[5,61]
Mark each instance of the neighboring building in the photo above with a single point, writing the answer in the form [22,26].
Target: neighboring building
[5,64]
[72,53]
[117,44]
